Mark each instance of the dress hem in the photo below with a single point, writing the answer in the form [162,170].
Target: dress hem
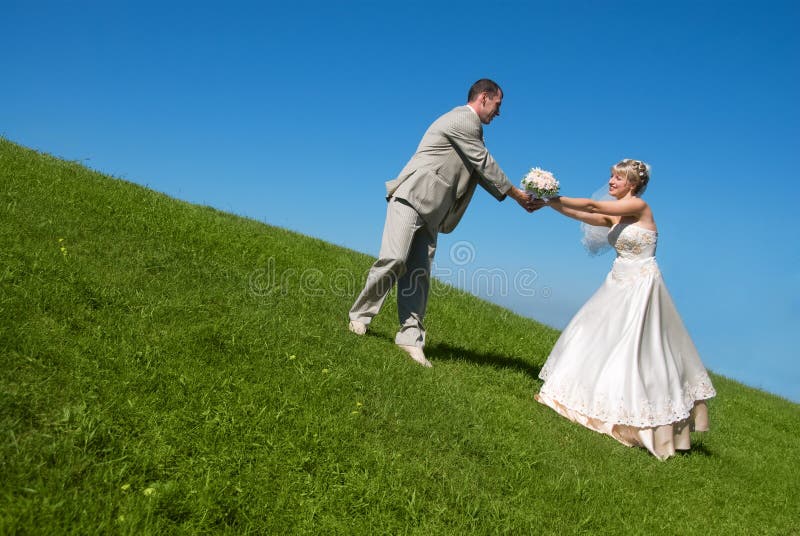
[662,440]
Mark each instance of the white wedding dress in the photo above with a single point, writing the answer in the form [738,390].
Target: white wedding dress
[625,365]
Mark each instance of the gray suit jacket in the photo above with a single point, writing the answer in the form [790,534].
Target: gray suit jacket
[450,161]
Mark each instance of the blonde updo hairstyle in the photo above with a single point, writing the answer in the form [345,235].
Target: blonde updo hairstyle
[636,172]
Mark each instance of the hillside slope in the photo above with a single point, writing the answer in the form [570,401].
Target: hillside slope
[171,368]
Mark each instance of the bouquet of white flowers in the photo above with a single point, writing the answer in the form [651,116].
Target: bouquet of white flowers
[540,183]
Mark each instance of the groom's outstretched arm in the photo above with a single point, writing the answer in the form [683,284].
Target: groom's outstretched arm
[464,132]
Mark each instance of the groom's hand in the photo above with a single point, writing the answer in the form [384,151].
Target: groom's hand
[524,199]
[520,197]
[536,204]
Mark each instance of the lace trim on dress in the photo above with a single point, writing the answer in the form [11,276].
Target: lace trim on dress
[647,413]
[636,241]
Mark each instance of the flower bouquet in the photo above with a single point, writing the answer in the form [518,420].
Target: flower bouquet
[540,183]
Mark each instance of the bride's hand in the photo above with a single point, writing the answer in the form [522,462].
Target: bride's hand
[521,197]
[536,204]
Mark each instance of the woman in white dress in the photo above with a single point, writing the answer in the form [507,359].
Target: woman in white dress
[625,365]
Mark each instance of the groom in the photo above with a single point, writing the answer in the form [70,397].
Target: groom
[429,196]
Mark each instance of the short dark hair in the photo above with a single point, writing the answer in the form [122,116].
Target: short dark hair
[484,85]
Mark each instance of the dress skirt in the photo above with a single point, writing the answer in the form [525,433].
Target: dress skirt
[626,366]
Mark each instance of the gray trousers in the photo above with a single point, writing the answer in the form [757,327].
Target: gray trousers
[407,251]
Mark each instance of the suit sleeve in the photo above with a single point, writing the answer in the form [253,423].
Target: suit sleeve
[465,135]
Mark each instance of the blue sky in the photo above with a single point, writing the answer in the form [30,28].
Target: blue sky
[295,113]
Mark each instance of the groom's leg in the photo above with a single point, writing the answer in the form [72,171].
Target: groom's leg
[413,289]
[402,223]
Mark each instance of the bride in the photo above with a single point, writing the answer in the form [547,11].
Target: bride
[625,365]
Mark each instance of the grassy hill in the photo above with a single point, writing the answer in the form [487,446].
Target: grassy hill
[169,368]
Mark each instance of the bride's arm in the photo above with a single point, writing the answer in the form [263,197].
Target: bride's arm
[625,207]
[594,212]
[558,204]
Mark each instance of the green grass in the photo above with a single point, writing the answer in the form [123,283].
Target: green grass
[169,368]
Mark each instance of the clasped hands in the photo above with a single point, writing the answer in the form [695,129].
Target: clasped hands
[526,200]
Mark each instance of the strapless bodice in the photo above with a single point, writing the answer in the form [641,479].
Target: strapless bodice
[633,242]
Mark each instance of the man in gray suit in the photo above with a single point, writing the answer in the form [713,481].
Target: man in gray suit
[429,196]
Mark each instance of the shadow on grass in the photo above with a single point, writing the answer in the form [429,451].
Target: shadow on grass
[697,449]
[447,352]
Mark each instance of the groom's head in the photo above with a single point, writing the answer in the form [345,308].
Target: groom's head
[485,97]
